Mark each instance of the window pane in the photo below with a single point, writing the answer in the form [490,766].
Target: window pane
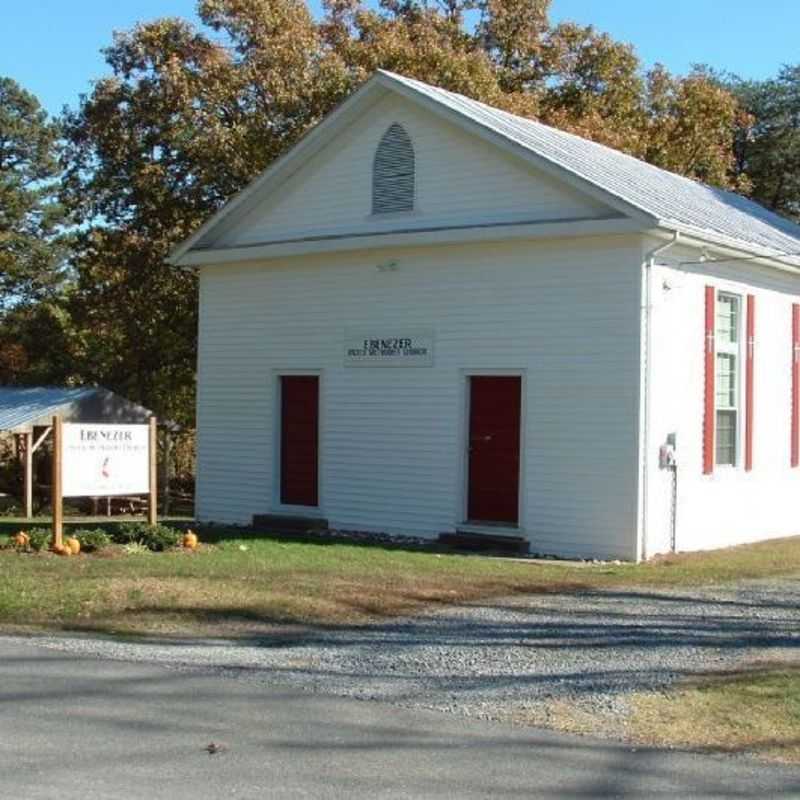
[727,376]
[727,319]
[726,437]
[726,380]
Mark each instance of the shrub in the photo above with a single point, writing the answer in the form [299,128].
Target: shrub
[135,549]
[162,537]
[92,540]
[127,532]
[154,537]
[39,538]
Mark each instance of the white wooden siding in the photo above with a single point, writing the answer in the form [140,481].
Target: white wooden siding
[730,506]
[566,313]
[459,181]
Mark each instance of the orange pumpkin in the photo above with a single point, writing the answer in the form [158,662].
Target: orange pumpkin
[73,545]
[190,540]
[61,550]
[22,539]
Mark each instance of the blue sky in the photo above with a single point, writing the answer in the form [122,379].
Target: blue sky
[52,47]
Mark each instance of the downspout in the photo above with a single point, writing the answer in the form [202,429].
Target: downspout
[649,262]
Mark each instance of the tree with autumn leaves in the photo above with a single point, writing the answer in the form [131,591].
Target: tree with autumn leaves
[188,115]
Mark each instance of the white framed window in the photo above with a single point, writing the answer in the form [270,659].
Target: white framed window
[727,376]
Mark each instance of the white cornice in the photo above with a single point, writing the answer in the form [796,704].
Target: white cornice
[411,238]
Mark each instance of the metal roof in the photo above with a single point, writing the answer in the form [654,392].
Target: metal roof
[22,407]
[659,199]
[675,201]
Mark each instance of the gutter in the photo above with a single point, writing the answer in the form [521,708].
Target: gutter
[737,249]
[647,310]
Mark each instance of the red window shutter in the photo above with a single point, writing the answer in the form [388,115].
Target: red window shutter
[749,382]
[796,385]
[708,416]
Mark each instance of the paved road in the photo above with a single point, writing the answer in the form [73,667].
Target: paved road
[80,727]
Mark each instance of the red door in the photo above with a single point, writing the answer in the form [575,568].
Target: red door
[494,420]
[299,439]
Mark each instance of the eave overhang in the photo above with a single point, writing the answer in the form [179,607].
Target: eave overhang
[452,235]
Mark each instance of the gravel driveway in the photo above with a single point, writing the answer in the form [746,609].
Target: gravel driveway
[509,657]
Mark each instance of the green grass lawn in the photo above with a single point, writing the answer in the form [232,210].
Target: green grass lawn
[242,583]
[753,710]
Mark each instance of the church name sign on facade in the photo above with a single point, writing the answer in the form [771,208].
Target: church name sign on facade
[403,349]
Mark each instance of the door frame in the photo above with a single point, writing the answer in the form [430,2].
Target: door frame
[277,423]
[461,510]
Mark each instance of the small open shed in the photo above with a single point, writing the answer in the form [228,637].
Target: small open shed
[27,412]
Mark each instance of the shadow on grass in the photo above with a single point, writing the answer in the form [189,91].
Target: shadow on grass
[214,534]
[218,534]
[619,621]
[765,675]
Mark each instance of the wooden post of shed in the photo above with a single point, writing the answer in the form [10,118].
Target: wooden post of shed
[57,499]
[27,481]
[152,505]
[166,471]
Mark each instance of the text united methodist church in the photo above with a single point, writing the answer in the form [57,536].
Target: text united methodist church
[373,351]
[432,316]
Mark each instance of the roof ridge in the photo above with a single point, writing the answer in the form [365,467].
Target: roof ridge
[564,133]
[516,119]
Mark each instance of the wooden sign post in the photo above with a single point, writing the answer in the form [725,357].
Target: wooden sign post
[28,474]
[152,501]
[57,498]
[103,460]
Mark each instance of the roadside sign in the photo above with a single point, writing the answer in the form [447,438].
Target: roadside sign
[105,460]
[102,460]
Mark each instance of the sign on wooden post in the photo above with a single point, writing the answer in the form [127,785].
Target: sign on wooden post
[106,460]
[152,501]
[103,460]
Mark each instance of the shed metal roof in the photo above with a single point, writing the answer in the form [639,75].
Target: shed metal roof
[22,407]
[675,201]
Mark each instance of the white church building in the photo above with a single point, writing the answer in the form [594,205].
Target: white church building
[432,316]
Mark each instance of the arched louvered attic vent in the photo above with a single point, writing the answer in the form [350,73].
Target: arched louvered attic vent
[393,172]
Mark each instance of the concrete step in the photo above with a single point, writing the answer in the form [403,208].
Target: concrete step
[485,542]
[289,523]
